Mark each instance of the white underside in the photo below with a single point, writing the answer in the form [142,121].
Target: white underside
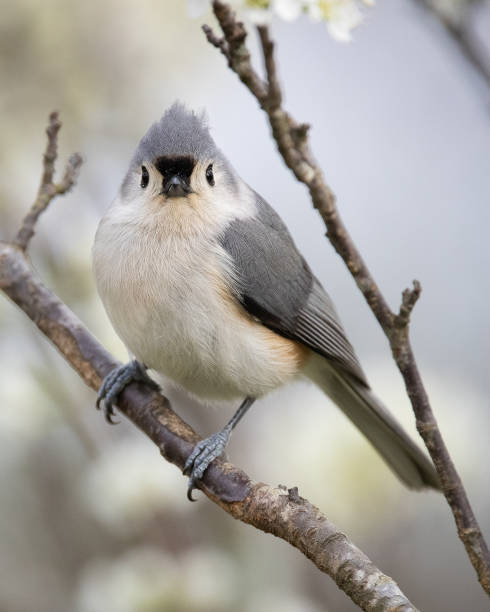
[167,287]
[166,296]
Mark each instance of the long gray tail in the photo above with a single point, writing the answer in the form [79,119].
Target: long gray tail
[387,436]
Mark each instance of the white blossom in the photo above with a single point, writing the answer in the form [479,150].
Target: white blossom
[340,16]
[289,10]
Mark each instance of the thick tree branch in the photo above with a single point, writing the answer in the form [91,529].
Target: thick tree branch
[275,510]
[292,141]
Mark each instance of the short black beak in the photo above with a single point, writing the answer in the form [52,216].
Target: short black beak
[175,187]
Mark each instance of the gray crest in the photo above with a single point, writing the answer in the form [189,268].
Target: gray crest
[180,132]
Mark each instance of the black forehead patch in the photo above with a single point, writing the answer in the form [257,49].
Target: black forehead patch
[169,166]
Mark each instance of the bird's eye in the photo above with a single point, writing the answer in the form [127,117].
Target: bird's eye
[145,177]
[210,175]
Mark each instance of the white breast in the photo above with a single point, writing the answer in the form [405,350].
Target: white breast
[167,296]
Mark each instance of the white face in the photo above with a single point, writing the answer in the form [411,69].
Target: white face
[179,180]
[179,191]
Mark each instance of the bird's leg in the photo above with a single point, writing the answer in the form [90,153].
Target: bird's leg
[116,381]
[208,449]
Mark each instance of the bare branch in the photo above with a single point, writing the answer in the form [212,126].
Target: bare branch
[292,141]
[232,45]
[399,338]
[219,43]
[51,152]
[275,510]
[48,189]
[274,94]
[70,175]
[409,299]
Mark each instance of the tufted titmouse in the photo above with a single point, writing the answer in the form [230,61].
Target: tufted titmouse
[204,285]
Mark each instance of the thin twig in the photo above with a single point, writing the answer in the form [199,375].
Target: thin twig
[409,299]
[47,188]
[274,93]
[292,141]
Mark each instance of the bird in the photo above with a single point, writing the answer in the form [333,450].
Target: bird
[205,286]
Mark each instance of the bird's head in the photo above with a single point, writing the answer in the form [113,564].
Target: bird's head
[178,164]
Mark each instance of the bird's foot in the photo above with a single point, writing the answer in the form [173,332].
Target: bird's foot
[203,454]
[114,383]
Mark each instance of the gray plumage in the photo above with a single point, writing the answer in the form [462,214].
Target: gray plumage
[162,274]
[276,285]
[179,132]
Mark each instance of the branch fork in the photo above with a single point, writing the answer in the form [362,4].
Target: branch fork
[47,188]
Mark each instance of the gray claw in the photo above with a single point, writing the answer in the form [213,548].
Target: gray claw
[114,383]
[204,453]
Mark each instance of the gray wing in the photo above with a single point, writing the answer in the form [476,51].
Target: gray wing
[276,285]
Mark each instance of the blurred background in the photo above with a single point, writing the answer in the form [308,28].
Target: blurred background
[91,518]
